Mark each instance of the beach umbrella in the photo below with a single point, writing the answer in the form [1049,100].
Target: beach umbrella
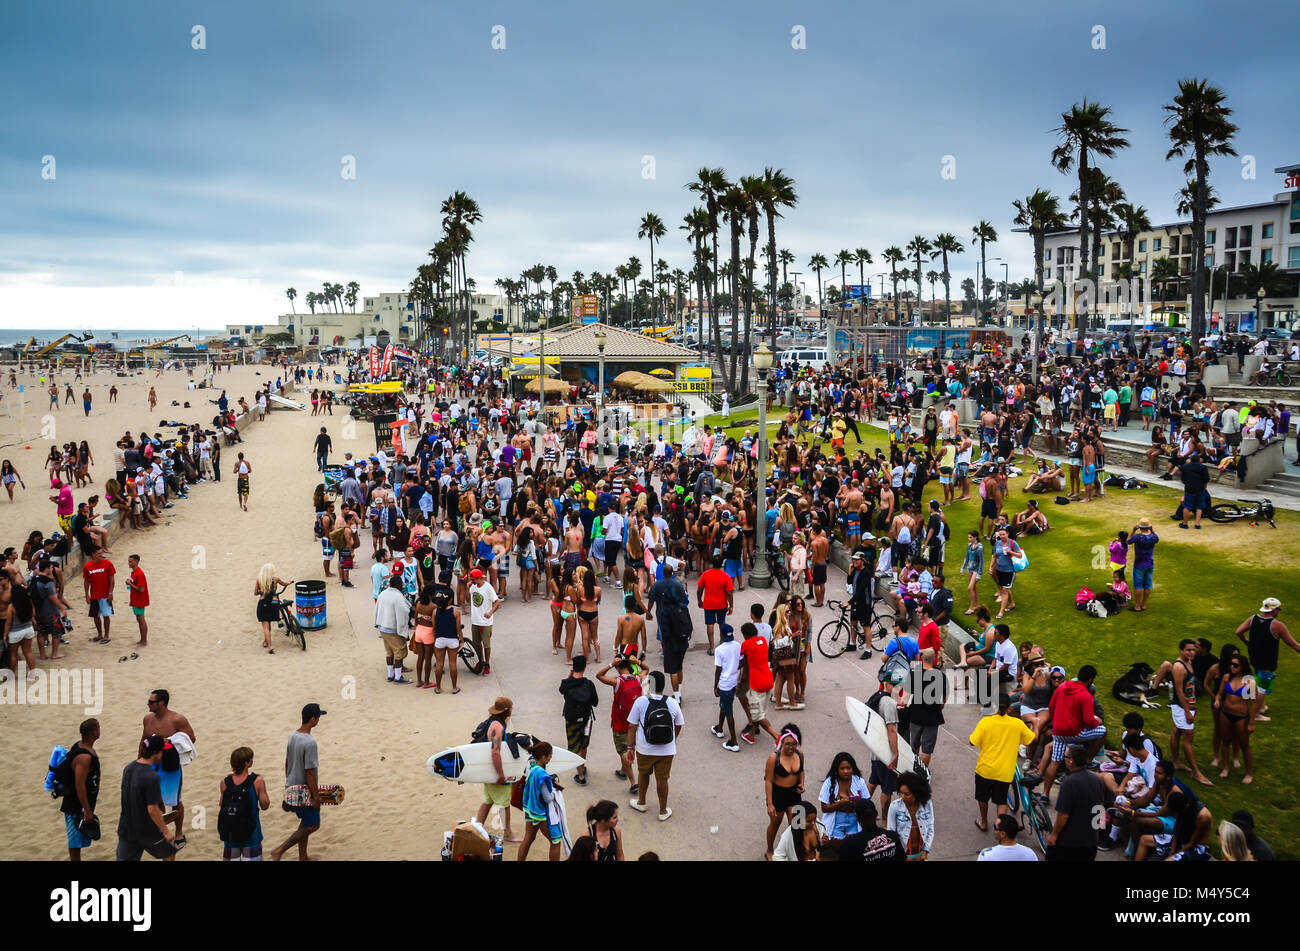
[552,386]
[660,371]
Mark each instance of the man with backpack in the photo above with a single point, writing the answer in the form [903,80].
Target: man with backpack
[668,597]
[76,779]
[243,798]
[627,688]
[580,702]
[653,726]
[883,773]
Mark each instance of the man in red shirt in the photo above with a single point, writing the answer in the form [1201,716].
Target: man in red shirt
[928,636]
[100,578]
[715,592]
[756,664]
[1074,720]
[138,585]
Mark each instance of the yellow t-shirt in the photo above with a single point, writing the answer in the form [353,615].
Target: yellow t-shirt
[999,739]
[949,457]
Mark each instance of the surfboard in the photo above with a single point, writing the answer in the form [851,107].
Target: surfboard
[472,763]
[287,403]
[871,730]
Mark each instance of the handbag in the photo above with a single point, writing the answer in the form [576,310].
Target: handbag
[1019,561]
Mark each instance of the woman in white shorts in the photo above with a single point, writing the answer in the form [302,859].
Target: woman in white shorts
[19,614]
[446,640]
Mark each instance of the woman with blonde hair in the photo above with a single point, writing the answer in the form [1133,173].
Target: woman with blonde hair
[588,608]
[1233,844]
[788,635]
[798,563]
[264,589]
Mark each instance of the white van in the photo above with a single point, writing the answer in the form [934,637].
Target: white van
[813,357]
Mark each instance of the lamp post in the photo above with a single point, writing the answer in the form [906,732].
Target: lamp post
[600,394]
[761,577]
[1260,294]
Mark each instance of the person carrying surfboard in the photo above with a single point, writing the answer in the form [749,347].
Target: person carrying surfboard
[493,730]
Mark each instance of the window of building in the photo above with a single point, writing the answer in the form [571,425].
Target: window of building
[1243,259]
[1047,255]
[1266,256]
[1209,260]
[1142,246]
[1101,251]
[388,300]
[1229,237]
[1060,273]
[1155,244]
[1230,259]
[1266,231]
[1293,257]
[1142,267]
[1209,236]
[1243,235]
[1114,250]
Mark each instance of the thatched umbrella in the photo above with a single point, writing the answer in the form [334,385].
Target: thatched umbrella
[552,386]
[636,380]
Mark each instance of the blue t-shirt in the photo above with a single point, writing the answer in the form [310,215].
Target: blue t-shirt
[905,643]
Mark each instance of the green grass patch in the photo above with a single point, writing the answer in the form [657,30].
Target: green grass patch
[1206,583]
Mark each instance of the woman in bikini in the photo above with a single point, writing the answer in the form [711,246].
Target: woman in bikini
[783,781]
[568,612]
[588,607]
[555,591]
[422,639]
[1235,702]
[1222,745]
[980,653]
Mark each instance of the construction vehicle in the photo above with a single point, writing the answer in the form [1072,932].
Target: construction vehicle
[31,342]
[80,338]
[163,343]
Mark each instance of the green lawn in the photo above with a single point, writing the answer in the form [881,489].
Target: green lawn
[1206,583]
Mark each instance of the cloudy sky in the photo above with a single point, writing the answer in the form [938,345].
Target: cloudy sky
[146,183]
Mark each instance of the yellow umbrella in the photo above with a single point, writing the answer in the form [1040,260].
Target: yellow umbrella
[660,371]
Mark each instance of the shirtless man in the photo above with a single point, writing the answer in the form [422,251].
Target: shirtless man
[630,637]
[995,491]
[818,552]
[573,536]
[326,547]
[166,723]
[887,503]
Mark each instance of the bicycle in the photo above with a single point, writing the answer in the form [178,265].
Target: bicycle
[1033,806]
[1274,377]
[288,618]
[836,637]
[1225,512]
[777,567]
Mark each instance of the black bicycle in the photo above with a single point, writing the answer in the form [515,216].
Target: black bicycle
[780,571]
[1236,511]
[288,618]
[836,637]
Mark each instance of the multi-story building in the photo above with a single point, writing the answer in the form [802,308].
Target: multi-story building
[1234,237]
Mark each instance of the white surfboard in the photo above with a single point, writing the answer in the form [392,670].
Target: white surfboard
[871,730]
[277,400]
[472,763]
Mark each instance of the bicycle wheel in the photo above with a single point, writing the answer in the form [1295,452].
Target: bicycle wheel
[1037,816]
[1225,512]
[1283,379]
[1013,796]
[293,628]
[782,575]
[833,639]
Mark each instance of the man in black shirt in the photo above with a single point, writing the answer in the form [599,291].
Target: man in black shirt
[323,445]
[1195,498]
[141,827]
[872,844]
[1079,805]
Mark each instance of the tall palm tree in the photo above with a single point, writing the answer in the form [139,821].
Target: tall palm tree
[652,227]
[710,184]
[459,213]
[862,257]
[1266,277]
[311,301]
[932,276]
[756,191]
[985,234]
[696,225]
[633,273]
[291,293]
[919,247]
[353,292]
[944,245]
[1164,272]
[1040,213]
[819,263]
[844,259]
[1199,128]
[1086,132]
[777,192]
[736,202]
[894,255]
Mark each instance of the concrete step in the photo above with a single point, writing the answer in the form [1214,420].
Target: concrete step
[1243,392]
[1283,481]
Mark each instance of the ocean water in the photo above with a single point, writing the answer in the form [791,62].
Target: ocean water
[9,337]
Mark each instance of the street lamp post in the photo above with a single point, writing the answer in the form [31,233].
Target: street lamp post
[1006,295]
[1260,294]
[600,394]
[761,577]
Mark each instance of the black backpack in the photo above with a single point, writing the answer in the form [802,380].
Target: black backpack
[236,821]
[658,724]
[480,734]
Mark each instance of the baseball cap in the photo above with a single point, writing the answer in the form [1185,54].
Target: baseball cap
[1270,604]
[726,631]
[859,554]
[476,573]
[312,710]
[1058,669]
[153,744]
[1243,819]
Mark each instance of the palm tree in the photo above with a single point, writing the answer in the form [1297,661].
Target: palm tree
[311,300]
[1198,129]
[652,227]
[862,257]
[1039,213]
[777,192]
[756,191]
[984,233]
[932,276]
[634,272]
[1163,273]
[736,203]
[894,255]
[844,259]
[696,225]
[919,247]
[1269,279]
[291,293]
[944,245]
[710,184]
[1086,132]
[819,263]
[354,290]
[459,212]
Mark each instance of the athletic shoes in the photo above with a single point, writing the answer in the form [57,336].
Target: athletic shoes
[638,806]
[716,732]
[865,655]
[401,680]
[747,737]
[731,747]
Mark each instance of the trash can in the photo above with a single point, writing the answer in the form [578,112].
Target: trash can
[309,602]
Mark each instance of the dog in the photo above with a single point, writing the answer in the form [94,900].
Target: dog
[1135,686]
